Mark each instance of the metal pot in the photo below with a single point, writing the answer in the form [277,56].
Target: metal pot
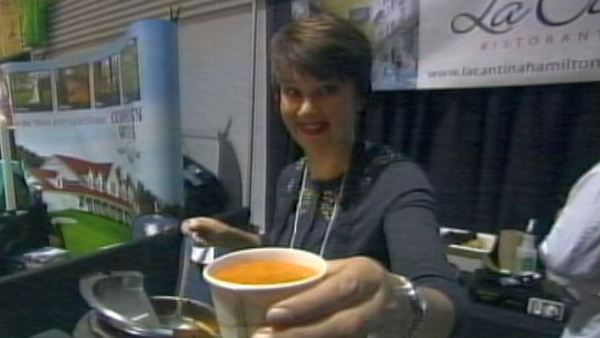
[121,308]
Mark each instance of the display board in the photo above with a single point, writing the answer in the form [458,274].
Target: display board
[99,134]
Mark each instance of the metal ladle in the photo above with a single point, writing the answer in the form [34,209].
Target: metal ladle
[178,321]
[120,296]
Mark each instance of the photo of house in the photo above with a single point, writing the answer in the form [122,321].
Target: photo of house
[69,183]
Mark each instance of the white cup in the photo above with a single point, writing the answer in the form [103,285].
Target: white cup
[241,308]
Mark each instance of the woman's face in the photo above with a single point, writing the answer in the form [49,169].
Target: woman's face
[319,114]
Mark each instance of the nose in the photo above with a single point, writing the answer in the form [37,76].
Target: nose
[308,106]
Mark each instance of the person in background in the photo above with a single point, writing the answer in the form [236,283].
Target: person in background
[367,209]
[571,252]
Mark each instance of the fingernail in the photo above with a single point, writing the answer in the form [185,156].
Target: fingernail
[263,333]
[279,316]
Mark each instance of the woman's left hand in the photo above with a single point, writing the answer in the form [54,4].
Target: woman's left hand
[354,299]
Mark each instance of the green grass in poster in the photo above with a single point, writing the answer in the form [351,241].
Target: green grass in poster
[84,232]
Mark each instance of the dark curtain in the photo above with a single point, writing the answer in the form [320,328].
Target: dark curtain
[496,156]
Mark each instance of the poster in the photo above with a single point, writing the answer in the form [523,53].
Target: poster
[432,44]
[99,134]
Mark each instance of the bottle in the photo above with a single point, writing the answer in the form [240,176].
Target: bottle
[526,256]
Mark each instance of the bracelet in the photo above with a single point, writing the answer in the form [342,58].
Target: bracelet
[416,303]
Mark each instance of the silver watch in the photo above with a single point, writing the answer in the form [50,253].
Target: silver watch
[416,303]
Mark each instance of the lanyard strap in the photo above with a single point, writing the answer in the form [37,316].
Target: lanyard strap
[334,213]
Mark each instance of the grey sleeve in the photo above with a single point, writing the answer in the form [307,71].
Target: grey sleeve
[412,235]
[411,226]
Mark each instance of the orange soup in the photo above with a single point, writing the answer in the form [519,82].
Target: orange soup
[264,272]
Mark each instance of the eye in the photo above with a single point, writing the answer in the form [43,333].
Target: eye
[290,91]
[329,89]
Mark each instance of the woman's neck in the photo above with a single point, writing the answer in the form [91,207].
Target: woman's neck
[329,163]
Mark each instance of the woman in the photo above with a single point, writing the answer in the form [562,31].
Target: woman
[367,209]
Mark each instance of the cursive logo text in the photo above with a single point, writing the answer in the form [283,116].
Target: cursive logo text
[500,19]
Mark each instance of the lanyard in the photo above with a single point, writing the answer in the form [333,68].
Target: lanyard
[334,213]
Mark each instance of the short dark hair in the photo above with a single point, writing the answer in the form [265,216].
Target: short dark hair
[325,47]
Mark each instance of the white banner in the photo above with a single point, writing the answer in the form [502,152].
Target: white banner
[466,43]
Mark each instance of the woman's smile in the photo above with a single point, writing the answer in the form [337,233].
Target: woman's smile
[312,128]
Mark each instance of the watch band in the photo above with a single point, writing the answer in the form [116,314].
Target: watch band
[416,302]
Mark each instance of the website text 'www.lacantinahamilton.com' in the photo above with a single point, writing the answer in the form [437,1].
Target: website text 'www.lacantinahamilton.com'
[528,67]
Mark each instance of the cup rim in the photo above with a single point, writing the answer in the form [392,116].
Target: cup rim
[257,287]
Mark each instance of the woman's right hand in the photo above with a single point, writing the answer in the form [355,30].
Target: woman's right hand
[212,232]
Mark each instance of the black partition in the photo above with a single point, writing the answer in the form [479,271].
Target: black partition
[41,299]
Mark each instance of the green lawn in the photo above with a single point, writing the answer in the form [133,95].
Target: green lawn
[90,232]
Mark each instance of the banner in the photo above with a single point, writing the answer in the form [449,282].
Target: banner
[464,43]
[99,134]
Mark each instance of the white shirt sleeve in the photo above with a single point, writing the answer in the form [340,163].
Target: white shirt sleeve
[572,248]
